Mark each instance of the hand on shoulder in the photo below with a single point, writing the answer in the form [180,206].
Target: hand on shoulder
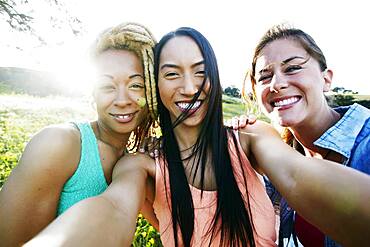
[135,161]
[259,128]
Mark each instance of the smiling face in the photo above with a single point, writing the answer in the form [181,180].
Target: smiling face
[119,90]
[181,74]
[290,83]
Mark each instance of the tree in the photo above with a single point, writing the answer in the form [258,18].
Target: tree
[232,91]
[343,90]
[15,19]
[21,15]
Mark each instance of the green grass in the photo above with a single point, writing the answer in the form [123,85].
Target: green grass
[360,97]
[236,107]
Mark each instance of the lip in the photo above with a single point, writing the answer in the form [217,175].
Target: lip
[123,117]
[192,110]
[286,102]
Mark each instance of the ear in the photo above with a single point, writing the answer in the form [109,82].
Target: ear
[328,77]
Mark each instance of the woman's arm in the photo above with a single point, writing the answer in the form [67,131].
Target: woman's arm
[108,219]
[29,198]
[333,197]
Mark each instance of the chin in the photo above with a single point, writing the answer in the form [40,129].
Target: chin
[287,122]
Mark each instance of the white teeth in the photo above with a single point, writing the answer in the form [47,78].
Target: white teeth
[184,105]
[122,116]
[285,102]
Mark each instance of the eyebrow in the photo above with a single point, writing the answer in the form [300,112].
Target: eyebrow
[130,77]
[291,58]
[106,75]
[197,64]
[135,75]
[283,63]
[170,65]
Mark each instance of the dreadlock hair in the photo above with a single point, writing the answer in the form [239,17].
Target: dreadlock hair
[285,31]
[138,39]
[235,220]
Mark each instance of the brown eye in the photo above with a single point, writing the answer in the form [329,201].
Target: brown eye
[293,68]
[107,87]
[200,73]
[171,75]
[137,86]
[264,79]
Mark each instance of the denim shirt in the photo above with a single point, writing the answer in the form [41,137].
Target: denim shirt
[350,137]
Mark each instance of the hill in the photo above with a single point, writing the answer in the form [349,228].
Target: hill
[32,82]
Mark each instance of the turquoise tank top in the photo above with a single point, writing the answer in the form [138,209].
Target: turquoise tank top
[88,180]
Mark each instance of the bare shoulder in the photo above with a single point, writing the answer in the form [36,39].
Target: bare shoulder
[56,146]
[61,134]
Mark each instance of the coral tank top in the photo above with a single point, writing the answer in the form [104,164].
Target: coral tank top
[262,211]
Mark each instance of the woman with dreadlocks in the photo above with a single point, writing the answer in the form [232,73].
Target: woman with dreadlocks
[70,162]
[202,187]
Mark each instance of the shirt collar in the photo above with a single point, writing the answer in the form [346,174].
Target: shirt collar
[342,136]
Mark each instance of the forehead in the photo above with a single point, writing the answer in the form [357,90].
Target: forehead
[278,51]
[118,60]
[180,49]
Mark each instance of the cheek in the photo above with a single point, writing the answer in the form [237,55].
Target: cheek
[165,91]
[138,97]
[262,94]
[161,87]
[207,87]
[103,99]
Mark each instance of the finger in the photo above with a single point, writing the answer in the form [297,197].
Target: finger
[235,123]
[251,119]
[243,121]
[227,123]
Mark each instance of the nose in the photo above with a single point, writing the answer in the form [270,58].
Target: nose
[278,82]
[122,98]
[190,87]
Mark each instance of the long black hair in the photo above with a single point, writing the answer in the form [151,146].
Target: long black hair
[232,213]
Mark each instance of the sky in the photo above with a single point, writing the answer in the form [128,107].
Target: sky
[233,28]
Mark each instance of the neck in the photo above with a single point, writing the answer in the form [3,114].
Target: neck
[116,140]
[310,131]
[186,136]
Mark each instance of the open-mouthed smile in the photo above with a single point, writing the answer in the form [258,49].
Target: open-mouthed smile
[183,106]
[286,102]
